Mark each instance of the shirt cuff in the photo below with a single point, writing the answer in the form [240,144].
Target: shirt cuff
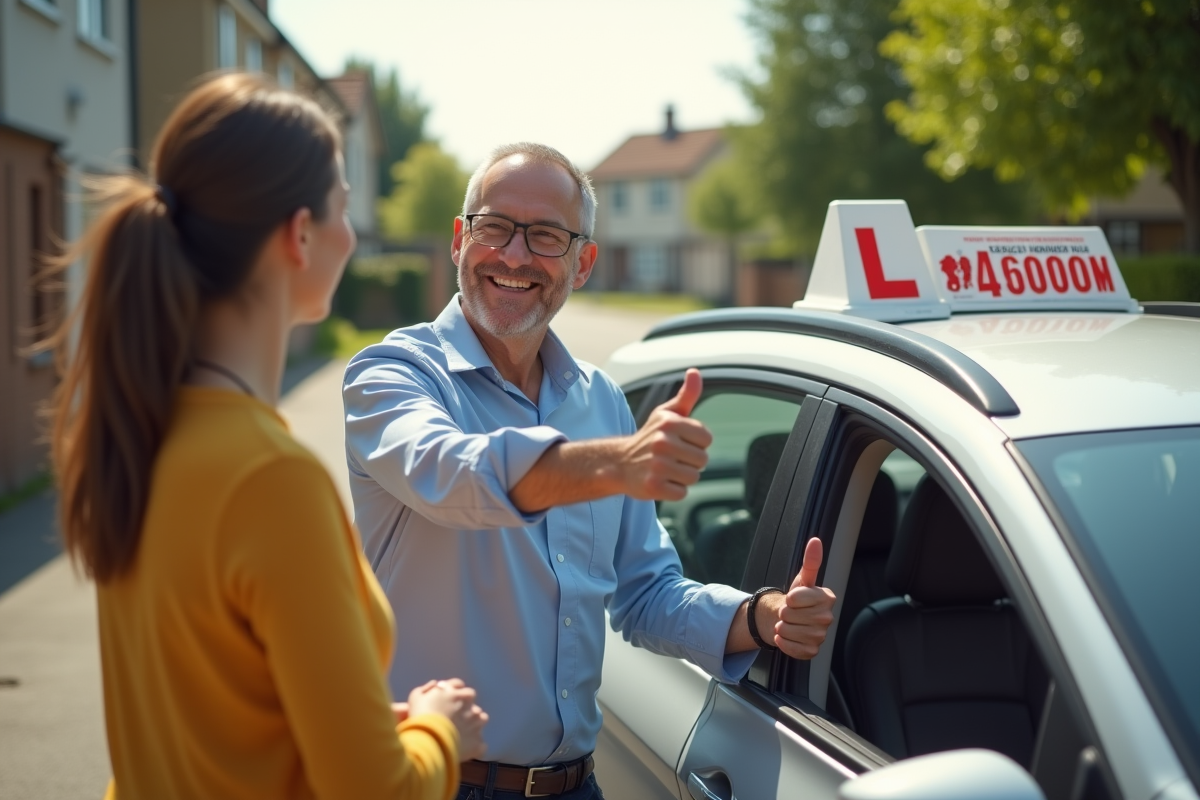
[712,613]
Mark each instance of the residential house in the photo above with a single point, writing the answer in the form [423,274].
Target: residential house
[647,242]
[180,41]
[65,112]
[1147,220]
[365,145]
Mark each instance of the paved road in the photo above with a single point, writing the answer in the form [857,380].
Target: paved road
[52,741]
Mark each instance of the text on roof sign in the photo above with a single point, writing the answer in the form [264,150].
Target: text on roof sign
[1024,268]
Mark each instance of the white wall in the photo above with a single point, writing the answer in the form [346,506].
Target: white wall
[362,175]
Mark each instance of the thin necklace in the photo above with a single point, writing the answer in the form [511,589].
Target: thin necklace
[228,373]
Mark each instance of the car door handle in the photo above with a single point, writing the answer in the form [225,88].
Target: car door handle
[714,787]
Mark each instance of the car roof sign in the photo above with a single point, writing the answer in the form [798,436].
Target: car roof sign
[870,264]
[1024,268]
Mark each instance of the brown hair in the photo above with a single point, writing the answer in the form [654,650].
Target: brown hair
[236,159]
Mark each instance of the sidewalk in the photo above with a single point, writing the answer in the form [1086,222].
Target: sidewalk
[52,740]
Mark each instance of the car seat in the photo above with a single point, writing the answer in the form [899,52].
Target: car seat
[722,546]
[946,664]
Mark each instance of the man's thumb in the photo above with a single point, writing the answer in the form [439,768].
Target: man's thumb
[814,553]
[683,402]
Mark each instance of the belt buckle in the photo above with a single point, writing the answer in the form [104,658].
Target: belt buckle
[529,781]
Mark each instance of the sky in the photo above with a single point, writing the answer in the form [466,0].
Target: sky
[579,75]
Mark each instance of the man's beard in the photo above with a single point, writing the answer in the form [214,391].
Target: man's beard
[506,318]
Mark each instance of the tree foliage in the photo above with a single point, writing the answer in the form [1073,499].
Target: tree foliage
[428,189]
[1076,96]
[824,134]
[402,115]
[722,200]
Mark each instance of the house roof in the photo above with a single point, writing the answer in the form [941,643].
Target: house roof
[352,87]
[655,156]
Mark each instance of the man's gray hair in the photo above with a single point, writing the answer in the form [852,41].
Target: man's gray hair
[538,154]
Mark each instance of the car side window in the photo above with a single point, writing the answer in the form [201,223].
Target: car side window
[635,398]
[930,653]
[714,526]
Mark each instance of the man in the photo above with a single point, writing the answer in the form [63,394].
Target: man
[505,495]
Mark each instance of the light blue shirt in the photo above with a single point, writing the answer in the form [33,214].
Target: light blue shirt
[512,603]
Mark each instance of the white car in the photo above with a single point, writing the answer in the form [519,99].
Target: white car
[1009,502]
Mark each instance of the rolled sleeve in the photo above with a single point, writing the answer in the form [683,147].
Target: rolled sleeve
[400,432]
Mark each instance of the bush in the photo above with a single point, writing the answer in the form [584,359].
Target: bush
[383,291]
[1163,277]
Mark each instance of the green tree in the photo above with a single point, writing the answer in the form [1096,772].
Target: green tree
[402,115]
[824,135]
[428,189]
[1076,96]
[723,202]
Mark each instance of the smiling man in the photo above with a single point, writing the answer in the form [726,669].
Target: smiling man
[504,494]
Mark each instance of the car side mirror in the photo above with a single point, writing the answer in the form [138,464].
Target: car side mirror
[955,775]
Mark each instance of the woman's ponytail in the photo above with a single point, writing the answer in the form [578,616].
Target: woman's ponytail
[129,352]
[235,160]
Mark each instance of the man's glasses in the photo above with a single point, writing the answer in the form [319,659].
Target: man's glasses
[491,230]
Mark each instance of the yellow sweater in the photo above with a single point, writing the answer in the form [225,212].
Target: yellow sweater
[244,655]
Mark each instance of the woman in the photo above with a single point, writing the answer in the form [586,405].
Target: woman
[244,640]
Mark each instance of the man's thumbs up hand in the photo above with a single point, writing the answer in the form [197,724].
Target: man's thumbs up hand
[807,612]
[666,455]
[685,399]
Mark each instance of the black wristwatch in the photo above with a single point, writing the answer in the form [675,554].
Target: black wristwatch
[751,616]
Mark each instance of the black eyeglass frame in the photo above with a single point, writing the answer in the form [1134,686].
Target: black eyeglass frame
[525,226]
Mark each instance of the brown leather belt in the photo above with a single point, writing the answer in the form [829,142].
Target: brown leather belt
[533,781]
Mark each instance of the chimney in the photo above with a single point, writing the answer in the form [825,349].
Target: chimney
[670,132]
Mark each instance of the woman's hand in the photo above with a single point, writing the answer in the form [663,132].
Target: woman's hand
[455,700]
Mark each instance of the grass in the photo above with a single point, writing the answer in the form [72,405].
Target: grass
[338,338]
[31,488]
[637,301]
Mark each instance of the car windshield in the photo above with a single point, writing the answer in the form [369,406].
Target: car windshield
[1131,502]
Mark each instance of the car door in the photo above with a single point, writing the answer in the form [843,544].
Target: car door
[788,730]
[759,422]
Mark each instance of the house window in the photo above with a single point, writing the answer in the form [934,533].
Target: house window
[1125,236]
[660,194]
[650,268]
[287,78]
[226,38]
[254,55]
[93,19]
[620,196]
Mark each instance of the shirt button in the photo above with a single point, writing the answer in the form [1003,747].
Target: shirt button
[567,374]
[567,622]
[561,558]
[564,694]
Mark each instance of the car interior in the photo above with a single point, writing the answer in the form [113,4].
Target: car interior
[931,654]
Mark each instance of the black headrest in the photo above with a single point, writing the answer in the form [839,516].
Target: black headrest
[762,459]
[936,559]
[878,529]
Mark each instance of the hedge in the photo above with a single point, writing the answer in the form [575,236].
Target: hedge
[383,291]
[1162,277]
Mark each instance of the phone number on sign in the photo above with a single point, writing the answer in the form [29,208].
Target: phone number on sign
[1033,274]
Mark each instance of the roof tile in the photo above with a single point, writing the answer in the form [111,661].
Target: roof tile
[653,156]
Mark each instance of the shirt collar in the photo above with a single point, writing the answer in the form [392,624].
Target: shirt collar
[465,353]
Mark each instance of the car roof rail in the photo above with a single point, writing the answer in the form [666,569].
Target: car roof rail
[943,363]
[1171,308]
